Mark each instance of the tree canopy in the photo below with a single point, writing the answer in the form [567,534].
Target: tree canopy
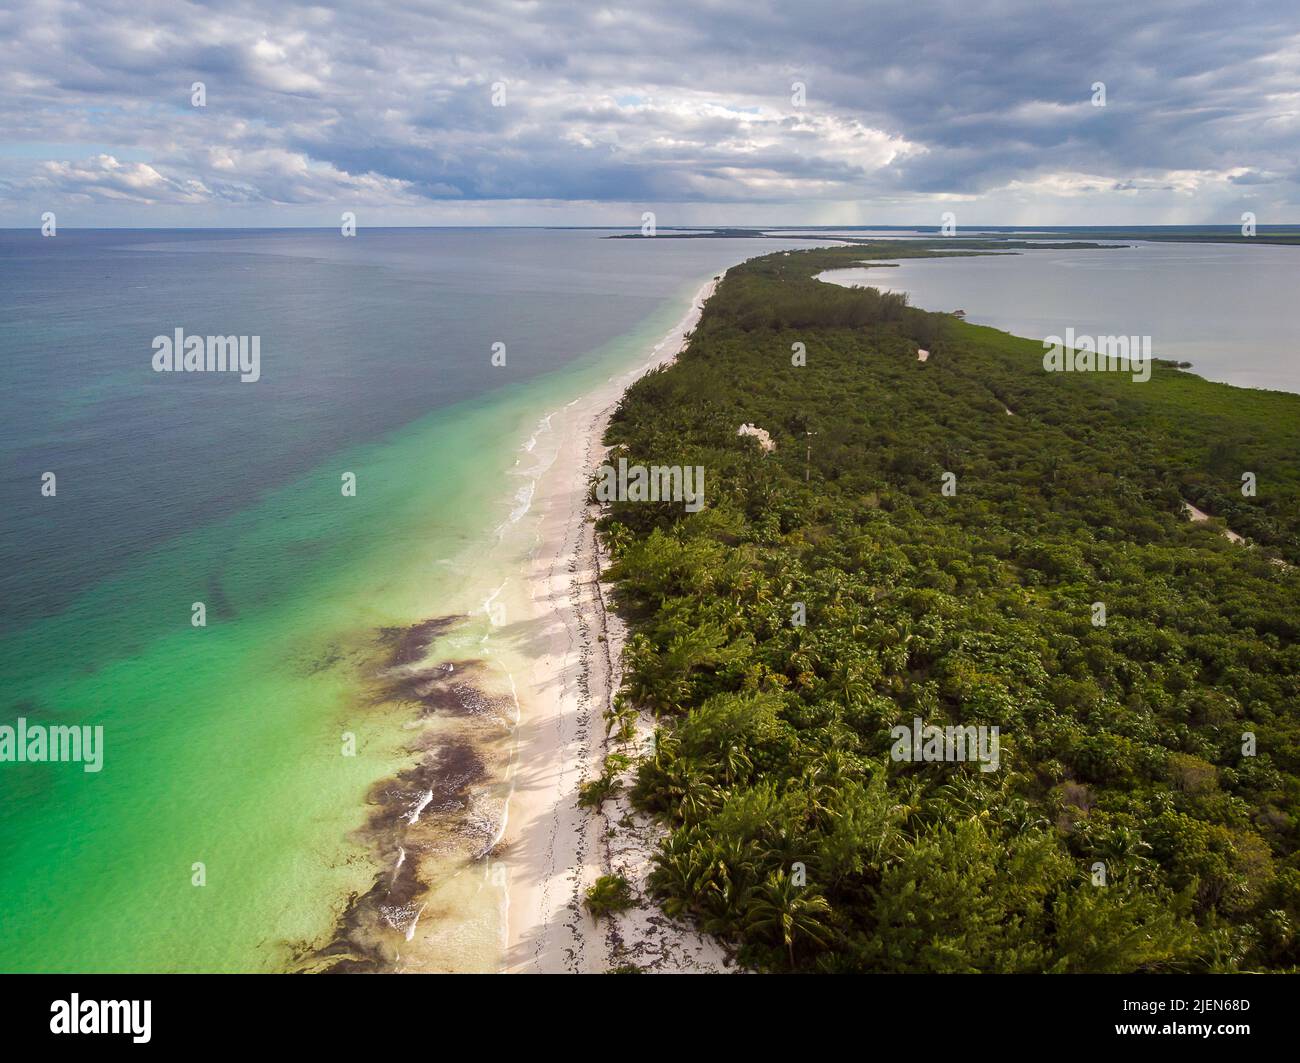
[1131,825]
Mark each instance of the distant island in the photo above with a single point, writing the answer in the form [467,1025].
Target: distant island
[1277,234]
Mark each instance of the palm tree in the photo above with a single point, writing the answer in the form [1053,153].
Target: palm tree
[891,648]
[1123,849]
[735,763]
[689,788]
[728,877]
[681,874]
[782,909]
[848,681]
[966,795]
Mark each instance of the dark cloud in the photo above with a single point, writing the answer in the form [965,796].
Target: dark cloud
[391,104]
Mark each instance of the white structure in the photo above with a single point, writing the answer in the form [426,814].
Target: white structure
[764,440]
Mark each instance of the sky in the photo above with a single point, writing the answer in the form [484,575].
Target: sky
[735,112]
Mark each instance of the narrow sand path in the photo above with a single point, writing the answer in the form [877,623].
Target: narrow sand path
[1198,515]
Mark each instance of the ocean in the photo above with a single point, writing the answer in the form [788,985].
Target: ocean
[245,759]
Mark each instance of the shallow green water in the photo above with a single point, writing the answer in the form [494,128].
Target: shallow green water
[223,743]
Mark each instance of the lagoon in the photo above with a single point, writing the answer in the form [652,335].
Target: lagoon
[1228,309]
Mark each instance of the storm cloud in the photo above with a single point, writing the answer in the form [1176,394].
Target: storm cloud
[715,111]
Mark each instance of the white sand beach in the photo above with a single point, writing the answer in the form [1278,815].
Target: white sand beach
[553,850]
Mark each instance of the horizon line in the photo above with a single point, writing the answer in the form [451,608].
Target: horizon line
[966,228]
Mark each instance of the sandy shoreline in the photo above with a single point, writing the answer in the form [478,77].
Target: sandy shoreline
[553,850]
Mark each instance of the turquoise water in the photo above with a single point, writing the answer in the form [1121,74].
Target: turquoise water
[223,744]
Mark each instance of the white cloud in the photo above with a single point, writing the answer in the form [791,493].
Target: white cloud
[909,105]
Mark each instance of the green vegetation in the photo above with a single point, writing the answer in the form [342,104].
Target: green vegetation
[794,835]
[595,793]
[609,894]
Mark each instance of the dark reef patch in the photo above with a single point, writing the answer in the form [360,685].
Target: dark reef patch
[432,817]
[419,811]
[454,689]
[407,645]
[218,602]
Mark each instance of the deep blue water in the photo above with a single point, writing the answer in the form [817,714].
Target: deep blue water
[358,336]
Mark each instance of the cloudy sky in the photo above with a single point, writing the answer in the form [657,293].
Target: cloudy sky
[504,112]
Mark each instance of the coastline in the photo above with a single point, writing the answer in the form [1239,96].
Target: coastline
[553,850]
[530,640]
[459,678]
